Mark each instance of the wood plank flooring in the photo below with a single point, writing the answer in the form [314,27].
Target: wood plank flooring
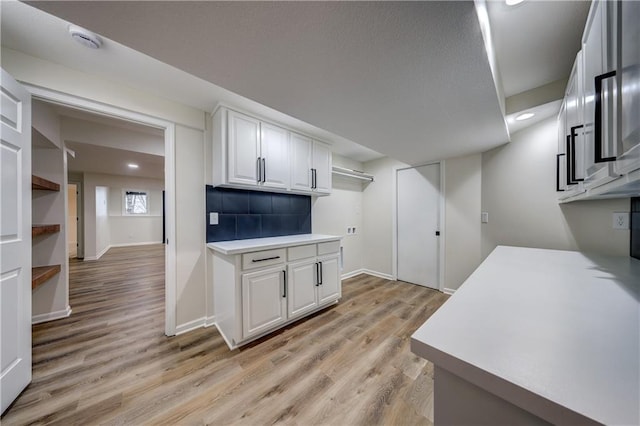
[110,363]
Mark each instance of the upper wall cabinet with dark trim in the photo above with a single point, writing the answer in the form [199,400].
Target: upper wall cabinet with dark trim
[599,123]
[251,153]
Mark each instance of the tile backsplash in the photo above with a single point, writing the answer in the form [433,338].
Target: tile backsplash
[246,214]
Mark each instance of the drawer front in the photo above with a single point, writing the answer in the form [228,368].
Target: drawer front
[260,259]
[301,252]
[328,248]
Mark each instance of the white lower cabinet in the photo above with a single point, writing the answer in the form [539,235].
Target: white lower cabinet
[258,292]
[264,301]
[311,284]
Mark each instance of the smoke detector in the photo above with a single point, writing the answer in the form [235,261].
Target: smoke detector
[85,37]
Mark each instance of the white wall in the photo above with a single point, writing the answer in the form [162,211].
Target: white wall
[462,236]
[102,220]
[72,211]
[343,208]
[378,205]
[518,192]
[191,232]
[131,230]
[190,286]
[114,229]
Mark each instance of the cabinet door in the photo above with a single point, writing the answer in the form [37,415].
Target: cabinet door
[274,150]
[574,127]
[630,84]
[322,167]
[301,288]
[561,161]
[243,144]
[301,150]
[598,47]
[263,301]
[330,288]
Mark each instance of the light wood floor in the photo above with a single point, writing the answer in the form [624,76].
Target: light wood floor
[110,363]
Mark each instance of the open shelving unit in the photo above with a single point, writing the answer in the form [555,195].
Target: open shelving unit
[42,274]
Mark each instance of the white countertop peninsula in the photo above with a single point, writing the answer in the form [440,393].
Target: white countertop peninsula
[254,244]
[554,335]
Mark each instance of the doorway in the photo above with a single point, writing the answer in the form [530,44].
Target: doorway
[418,205]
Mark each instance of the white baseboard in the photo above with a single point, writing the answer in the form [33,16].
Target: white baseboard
[209,321]
[448,290]
[191,325]
[352,274]
[37,319]
[368,272]
[146,243]
[379,274]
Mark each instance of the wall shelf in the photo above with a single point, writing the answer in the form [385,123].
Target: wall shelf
[44,229]
[350,173]
[41,274]
[42,184]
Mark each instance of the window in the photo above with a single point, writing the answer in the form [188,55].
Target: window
[136,202]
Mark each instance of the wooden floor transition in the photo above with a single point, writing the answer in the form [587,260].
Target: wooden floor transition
[110,363]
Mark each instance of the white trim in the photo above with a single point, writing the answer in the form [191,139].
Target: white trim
[37,319]
[448,291]
[146,243]
[441,222]
[209,321]
[378,274]
[231,345]
[99,255]
[352,274]
[191,325]
[65,99]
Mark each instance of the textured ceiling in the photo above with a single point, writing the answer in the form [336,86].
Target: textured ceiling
[408,79]
[536,41]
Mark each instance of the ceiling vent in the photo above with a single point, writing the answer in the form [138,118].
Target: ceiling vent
[85,37]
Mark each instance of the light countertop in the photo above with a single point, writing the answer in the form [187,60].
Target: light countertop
[554,332]
[255,244]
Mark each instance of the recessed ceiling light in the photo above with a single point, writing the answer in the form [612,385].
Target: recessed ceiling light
[513,2]
[525,116]
[132,166]
[85,37]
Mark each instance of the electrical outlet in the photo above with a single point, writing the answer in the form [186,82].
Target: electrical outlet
[484,217]
[213,218]
[620,220]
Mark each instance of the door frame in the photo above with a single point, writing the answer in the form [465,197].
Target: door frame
[52,96]
[441,220]
[80,215]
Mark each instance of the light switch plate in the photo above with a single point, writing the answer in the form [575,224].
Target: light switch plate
[620,220]
[213,218]
[484,217]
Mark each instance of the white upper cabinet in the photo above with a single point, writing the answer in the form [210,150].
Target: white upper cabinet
[599,93]
[602,108]
[310,165]
[301,152]
[243,145]
[629,67]
[253,154]
[321,167]
[274,156]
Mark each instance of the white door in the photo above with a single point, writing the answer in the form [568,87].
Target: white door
[15,240]
[322,167]
[301,148]
[330,286]
[418,207]
[301,288]
[243,145]
[274,150]
[263,301]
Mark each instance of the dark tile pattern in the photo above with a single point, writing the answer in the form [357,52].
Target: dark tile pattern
[246,214]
